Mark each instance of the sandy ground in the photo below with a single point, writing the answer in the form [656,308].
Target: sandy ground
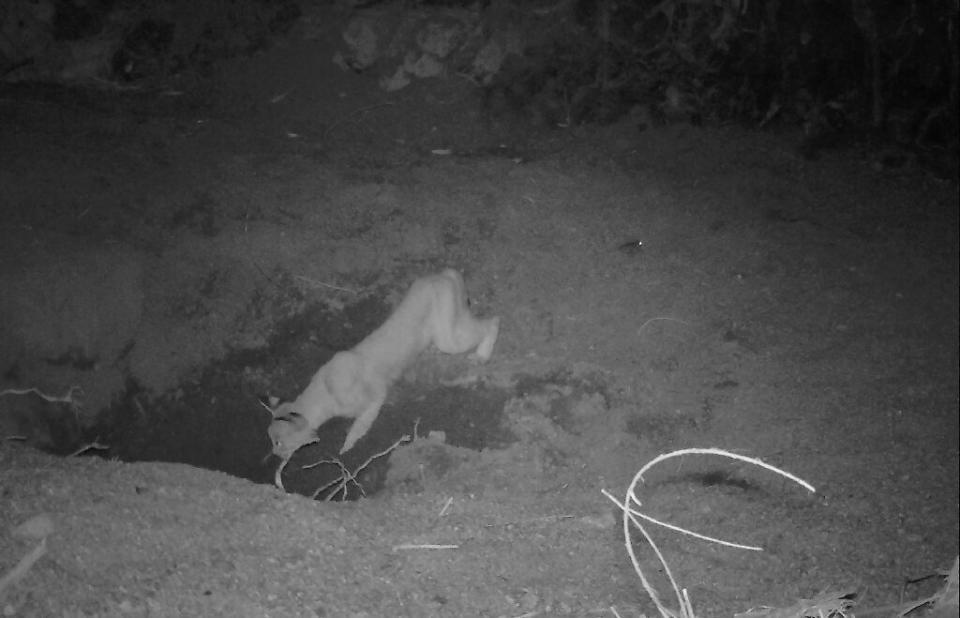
[180,250]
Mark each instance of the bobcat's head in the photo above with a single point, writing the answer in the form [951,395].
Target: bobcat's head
[289,430]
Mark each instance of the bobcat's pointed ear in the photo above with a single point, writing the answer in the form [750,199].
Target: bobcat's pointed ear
[269,403]
[286,412]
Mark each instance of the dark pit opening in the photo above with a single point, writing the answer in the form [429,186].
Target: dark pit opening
[216,420]
[469,416]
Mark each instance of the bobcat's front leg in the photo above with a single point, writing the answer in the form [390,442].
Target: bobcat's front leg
[365,419]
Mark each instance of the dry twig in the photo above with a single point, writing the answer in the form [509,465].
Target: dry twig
[446,505]
[71,398]
[346,477]
[340,484]
[92,446]
[633,516]
[325,285]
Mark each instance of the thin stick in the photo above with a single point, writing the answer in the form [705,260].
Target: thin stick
[68,398]
[347,476]
[325,285]
[93,446]
[723,453]
[446,505]
[664,524]
[687,604]
[631,516]
[403,546]
[340,482]
[532,520]
[628,542]
[17,572]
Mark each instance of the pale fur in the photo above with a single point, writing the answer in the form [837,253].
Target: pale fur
[353,384]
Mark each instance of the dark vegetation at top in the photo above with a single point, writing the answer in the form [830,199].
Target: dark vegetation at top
[877,69]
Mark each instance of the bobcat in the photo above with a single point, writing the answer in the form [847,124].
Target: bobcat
[354,383]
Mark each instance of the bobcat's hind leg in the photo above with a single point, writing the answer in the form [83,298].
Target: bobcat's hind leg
[457,330]
[465,333]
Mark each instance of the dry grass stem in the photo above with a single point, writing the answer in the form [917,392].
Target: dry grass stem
[633,516]
[20,569]
[404,546]
[446,505]
[71,398]
[664,524]
[92,446]
[325,285]
[532,520]
[723,453]
[340,482]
